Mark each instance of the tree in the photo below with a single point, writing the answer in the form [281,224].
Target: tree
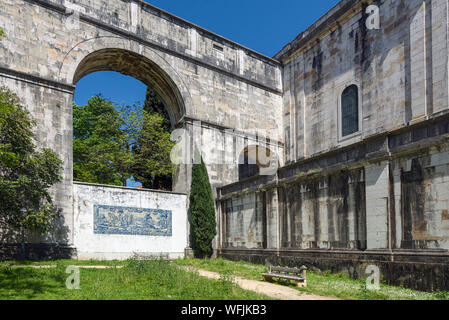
[152,164]
[101,145]
[26,172]
[202,224]
[2,34]
[153,104]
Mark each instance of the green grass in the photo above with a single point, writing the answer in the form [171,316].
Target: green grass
[163,280]
[330,285]
[138,280]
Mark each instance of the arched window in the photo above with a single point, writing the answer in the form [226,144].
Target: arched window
[350,111]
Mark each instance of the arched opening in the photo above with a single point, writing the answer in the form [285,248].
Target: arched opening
[166,100]
[139,67]
[256,160]
[350,111]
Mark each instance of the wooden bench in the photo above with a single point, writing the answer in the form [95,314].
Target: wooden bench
[293,274]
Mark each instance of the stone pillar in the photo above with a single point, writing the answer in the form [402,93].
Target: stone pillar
[50,105]
[377,195]
[439,47]
[272,219]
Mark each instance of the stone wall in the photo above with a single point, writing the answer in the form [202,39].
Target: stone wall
[114,223]
[378,196]
[383,202]
[401,71]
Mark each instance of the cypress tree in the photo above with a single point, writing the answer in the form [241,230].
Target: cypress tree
[202,208]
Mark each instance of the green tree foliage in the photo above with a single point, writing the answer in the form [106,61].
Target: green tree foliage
[102,143]
[202,209]
[152,164]
[26,173]
[113,144]
[153,104]
[2,34]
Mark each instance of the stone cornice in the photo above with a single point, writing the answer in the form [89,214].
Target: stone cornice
[36,80]
[241,133]
[315,30]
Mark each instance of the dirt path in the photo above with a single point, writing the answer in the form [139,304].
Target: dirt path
[269,289]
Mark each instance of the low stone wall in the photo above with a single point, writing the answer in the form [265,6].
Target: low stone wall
[115,223]
[425,270]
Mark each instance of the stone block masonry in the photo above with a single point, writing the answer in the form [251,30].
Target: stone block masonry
[377,196]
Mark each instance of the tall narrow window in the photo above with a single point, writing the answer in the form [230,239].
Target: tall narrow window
[350,110]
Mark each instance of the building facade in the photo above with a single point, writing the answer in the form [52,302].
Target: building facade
[365,120]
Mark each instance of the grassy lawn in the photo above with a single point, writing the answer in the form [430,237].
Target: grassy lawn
[331,285]
[138,280]
[163,280]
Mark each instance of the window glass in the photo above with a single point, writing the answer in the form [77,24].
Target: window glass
[350,111]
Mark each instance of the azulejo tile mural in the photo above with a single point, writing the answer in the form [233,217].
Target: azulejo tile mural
[132,221]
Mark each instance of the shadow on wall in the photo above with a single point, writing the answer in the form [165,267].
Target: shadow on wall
[54,245]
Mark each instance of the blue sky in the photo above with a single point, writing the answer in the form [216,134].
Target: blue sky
[262,25]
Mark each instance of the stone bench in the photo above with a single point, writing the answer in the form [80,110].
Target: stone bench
[292,274]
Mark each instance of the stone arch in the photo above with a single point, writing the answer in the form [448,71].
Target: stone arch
[129,58]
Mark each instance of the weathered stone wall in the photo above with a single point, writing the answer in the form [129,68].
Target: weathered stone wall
[379,196]
[326,212]
[383,202]
[245,220]
[122,242]
[421,190]
[401,71]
